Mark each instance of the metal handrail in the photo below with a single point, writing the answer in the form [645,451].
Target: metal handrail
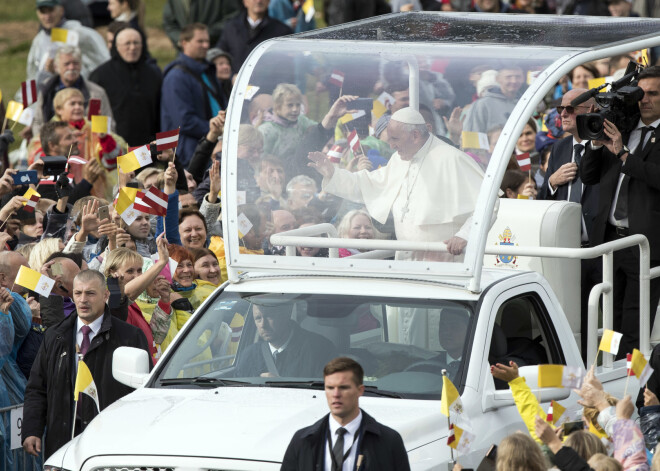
[304,238]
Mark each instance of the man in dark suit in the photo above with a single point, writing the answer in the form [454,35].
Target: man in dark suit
[95,334]
[563,183]
[628,169]
[285,348]
[348,438]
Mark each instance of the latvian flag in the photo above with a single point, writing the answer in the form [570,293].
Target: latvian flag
[29,92]
[153,202]
[629,369]
[336,78]
[334,154]
[452,437]
[31,204]
[167,139]
[354,142]
[524,162]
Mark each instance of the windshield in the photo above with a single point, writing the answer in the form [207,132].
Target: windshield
[286,339]
[328,136]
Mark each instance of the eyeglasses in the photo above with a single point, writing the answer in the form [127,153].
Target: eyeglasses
[569,109]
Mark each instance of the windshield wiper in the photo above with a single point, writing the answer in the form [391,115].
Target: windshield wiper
[203,381]
[320,385]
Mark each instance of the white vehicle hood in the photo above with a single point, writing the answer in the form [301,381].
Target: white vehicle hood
[247,423]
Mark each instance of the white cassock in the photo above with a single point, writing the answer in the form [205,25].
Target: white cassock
[431,197]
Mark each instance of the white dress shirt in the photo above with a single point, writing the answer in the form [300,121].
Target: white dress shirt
[633,145]
[350,441]
[95,326]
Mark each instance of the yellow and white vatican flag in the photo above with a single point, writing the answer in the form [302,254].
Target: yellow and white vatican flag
[610,341]
[560,376]
[35,281]
[85,384]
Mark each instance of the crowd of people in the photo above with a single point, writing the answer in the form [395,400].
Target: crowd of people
[292,172]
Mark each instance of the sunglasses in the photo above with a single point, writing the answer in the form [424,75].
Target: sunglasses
[569,109]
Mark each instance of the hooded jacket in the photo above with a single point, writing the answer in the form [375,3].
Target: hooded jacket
[489,111]
[134,93]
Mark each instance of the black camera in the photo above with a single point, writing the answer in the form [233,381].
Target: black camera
[54,165]
[619,106]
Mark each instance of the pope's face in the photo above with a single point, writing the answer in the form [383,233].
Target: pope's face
[401,140]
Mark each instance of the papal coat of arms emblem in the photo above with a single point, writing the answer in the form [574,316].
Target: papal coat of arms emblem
[506,238]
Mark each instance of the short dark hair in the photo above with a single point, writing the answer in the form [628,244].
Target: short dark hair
[76,258]
[187,212]
[89,275]
[188,31]
[649,72]
[341,364]
[49,135]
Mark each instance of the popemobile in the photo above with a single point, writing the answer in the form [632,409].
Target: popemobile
[467,279]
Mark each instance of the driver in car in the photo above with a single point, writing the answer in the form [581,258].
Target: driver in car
[284,349]
[452,333]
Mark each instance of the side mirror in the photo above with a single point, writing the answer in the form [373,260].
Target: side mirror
[130,366]
[494,399]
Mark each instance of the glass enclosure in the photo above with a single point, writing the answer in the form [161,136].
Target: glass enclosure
[322,140]
[286,339]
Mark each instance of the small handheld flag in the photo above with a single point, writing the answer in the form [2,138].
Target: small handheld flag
[124,204]
[31,204]
[27,117]
[35,281]
[560,376]
[629,370]
[461,439]
[152,201]
[335,153]
[28,196]
[85,384]
[167,139]
[354,142]
[135,159]
[67,36]
[336,78]
[641,367]
[29,93]
[76,159]
[610,341]
[474,140]
[14,110]
[250,92]
[101,124]
[348,117]
[524,162]
[308,10]
[548,416]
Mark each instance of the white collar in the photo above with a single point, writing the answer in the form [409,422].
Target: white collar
[95,326]
[281,349]
[351,428]
[654,124]
[254,23]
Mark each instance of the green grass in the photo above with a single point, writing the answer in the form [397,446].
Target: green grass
[23,10]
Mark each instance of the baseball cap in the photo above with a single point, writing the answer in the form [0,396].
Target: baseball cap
[48,3]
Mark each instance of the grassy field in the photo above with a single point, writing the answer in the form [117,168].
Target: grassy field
[19,25]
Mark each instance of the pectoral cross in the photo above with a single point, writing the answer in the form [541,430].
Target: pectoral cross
[404,211]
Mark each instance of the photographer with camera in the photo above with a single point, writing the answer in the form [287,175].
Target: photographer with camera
[627,167]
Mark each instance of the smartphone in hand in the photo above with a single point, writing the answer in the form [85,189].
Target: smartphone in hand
[25,177]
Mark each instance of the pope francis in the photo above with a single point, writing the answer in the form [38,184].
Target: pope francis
[430,187]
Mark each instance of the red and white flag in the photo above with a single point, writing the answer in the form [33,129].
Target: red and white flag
[354,142]
[167,139]
[29,92]
[524,162]
[157,200]
[548,417]
[629,369]
[335,153]
[75,159]
[452,437]
[152,201]
[337,78]
[31,204]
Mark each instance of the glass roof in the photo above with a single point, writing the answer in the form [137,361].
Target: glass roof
[531,30]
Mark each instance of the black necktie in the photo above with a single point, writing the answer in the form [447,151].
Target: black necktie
[576,187]
[338,450]
[621,208]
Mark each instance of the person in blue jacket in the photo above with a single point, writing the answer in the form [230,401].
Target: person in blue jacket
[191,94]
